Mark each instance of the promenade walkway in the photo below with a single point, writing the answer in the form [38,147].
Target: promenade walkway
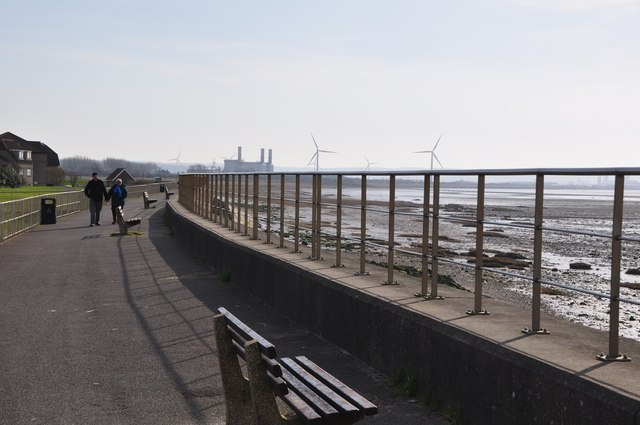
[99,328]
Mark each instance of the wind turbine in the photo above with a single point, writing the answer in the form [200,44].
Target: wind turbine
[369,163]
[177,159]
[433,153]
[316,156]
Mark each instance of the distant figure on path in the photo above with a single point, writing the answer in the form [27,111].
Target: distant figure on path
[117,193]
[96,192]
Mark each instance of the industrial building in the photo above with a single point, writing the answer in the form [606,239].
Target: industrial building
[240,165]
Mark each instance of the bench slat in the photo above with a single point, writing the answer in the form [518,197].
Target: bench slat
[238,344]
[247,333]
[330,396]
[338,386]
[310,397]
[299,406]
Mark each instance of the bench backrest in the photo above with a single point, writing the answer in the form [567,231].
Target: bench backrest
[241,334]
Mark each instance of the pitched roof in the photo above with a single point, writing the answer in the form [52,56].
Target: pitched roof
[9,141]
[119,173]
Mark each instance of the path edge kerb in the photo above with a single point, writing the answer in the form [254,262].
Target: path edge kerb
[457,371]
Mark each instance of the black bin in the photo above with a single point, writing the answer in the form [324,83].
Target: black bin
[161,187]
[48,211]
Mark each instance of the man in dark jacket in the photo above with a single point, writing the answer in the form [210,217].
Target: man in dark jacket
[96,192]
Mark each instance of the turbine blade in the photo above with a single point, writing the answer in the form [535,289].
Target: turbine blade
[320,150]
[434,155]
[314,141]
[434,148]
[312,158]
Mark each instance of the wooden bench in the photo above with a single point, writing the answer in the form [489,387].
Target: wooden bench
[314,395]
[147,201]
[124,224]
[167,194]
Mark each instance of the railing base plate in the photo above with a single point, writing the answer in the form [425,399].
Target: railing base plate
[541,331]
[477,313]
[618,358]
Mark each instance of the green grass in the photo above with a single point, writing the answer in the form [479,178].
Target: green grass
[11,194]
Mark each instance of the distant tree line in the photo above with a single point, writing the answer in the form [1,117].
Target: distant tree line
[83,166]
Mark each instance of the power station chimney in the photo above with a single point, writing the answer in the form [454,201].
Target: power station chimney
[239,153]
[270,157]
[262,156]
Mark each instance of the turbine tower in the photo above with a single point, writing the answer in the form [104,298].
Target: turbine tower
[316,156]
[433,153]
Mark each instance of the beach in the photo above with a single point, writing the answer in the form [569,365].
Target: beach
[584,211]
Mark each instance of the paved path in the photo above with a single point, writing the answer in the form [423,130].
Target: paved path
[98,328]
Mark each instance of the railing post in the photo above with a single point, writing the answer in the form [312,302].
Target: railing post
[196,195]
[232,197]
[536,291]
[239,219]
[282,182]
[391,227]
[435,234]
[363,225]
[426,201]
[616,255]
[256,187]
[207,195]
[268,209]
[477,308]
[219,200]
[246,205]
[339,221]
[314,214]
[225,205]
[296,227]
[319,218]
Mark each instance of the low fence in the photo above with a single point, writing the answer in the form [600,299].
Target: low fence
[23,214]
[403,216]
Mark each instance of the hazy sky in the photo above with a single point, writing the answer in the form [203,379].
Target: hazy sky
[509,83]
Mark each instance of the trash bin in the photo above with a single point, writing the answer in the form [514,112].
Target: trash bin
[48,211]
[161,187]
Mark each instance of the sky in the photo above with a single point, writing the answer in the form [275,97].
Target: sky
[502,83]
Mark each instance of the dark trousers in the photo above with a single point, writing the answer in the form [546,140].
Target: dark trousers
[94,210]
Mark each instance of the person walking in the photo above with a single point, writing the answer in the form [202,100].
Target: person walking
[96,192]
[117,193]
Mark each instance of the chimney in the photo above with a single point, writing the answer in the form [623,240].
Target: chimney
[239,153]
[262,156]
[270,156]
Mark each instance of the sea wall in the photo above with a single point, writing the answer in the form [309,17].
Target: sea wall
[462,374]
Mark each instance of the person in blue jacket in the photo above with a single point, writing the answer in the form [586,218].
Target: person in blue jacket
[117,194]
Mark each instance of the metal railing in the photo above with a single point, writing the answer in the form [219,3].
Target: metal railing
[23,214]
[296,206]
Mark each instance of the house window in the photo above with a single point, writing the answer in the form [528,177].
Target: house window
[20,154]
[27,154]
[28,172]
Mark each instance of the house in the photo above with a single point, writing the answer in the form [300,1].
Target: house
[32,161]
[120,173]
